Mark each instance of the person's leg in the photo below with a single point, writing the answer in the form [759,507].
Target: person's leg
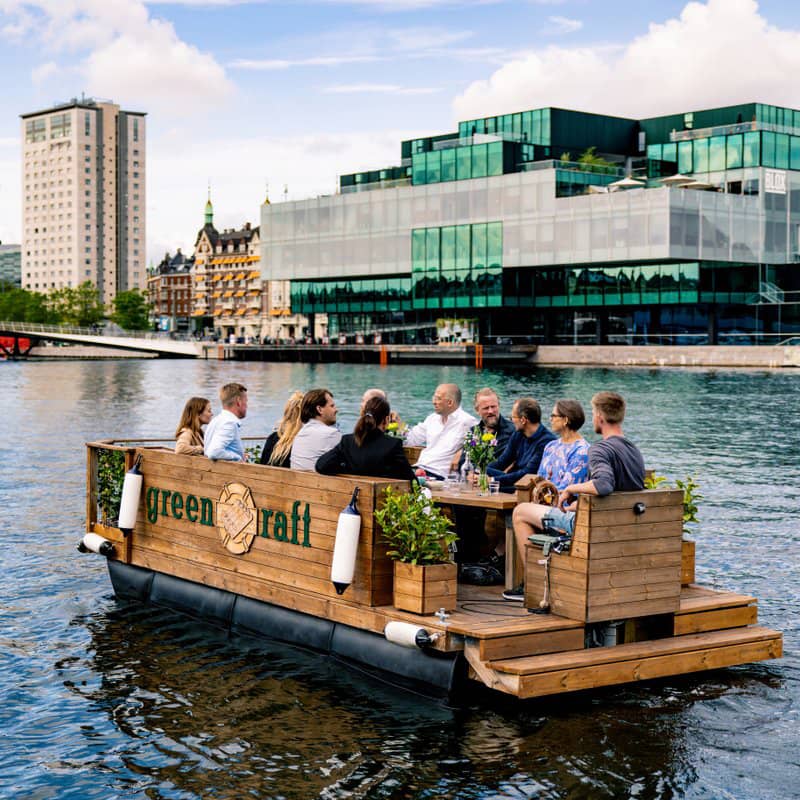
[527,520]
[470,527]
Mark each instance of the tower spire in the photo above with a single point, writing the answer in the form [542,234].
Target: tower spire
[209,208]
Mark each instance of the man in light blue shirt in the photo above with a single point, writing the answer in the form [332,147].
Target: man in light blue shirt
[223,441]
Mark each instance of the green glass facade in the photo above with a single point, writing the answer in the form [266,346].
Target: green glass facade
[611,285]
[525,126]
[733,151]
[457,266]
[462,163]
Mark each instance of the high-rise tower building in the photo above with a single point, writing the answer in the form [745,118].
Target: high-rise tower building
[83,197]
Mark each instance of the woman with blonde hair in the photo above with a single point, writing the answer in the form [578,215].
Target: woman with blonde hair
[189,435]
[277,450]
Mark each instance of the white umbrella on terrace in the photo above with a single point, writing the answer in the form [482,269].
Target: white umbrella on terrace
[598,189]
[677,180]
[627,182]
[701,185]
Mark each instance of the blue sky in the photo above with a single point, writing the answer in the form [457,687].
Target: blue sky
[245,92]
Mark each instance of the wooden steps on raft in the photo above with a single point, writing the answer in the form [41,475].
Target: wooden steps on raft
[711,629]
[537,676]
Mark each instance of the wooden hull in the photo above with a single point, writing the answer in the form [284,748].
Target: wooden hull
[250,548]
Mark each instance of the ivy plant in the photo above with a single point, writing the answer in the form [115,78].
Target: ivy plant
[110,477]
[415,529]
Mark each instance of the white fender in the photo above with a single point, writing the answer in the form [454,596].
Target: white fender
[131,492]
[407,634]
[345,547]
[95,543]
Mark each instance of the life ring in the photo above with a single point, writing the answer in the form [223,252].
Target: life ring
[545,493]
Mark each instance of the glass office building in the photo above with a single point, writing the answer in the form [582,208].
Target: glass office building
[530,225]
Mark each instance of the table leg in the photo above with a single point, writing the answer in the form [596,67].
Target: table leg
[513,566]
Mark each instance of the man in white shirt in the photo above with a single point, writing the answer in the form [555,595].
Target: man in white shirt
[442,432]
[319,433]
[223,441]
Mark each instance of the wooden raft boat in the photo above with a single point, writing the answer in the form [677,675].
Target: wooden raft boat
[249,548]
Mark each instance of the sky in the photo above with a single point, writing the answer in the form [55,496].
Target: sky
[250,96]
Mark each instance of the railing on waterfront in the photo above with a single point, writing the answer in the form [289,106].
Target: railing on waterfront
[73,330]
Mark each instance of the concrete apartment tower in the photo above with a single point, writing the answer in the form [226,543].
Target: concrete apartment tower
[83,197]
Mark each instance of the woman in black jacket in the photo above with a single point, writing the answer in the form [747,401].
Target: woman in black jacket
[368,450]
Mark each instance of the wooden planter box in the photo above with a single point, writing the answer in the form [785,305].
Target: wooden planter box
[621,564]
[425,589]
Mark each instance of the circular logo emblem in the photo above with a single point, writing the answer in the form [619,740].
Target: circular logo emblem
[237,520]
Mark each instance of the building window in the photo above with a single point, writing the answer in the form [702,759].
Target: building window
[35,130]
[135,130]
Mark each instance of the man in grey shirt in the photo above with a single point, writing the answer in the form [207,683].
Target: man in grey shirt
[615,465]
[319,433]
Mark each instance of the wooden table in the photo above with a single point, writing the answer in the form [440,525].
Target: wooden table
[502,501]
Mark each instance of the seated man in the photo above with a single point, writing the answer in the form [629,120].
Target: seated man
[522,456]
[487,406]
[471,522]
[615,465]
[442,432]
[223,442]
[319,433]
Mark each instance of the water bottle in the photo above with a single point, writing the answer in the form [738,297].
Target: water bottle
[466,469]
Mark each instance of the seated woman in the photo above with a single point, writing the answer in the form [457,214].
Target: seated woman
[368,450]
[277,450]
[564,461]
[189,435]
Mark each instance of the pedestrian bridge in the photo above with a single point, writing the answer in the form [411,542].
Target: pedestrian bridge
[141,341]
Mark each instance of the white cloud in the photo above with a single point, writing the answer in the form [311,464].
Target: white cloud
[117,50]
[715,53]
[281,63]
[44,71]
[560,25]
[155,71]
[379,88]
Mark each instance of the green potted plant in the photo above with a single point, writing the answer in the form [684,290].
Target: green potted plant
[110,477]
[691,497]
[419,538]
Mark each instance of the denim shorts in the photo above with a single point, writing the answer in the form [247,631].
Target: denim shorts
[560,520]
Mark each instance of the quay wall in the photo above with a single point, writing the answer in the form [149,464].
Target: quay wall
[85,351]
[726,356]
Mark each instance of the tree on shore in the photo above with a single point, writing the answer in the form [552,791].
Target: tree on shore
[131,310]
[21,305]
[79,306]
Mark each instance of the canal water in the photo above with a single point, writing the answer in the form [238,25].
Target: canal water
[106,700]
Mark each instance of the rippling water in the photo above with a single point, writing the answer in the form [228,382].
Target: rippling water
[103,700]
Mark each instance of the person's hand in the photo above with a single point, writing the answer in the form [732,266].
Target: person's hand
[564,497]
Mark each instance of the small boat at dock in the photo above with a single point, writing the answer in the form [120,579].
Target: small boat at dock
[250,548]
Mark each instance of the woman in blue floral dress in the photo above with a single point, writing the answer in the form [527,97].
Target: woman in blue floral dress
[566,460]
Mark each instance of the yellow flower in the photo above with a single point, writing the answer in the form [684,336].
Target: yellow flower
[392,426]
[487,437]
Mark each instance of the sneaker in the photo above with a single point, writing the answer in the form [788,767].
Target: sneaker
[517,594]
[481,575]
[494,560]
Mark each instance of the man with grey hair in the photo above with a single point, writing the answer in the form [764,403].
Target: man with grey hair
[369,394]
[442,432]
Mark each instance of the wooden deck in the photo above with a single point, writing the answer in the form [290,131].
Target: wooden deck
[507,648]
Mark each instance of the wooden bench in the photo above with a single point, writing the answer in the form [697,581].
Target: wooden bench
[625,559]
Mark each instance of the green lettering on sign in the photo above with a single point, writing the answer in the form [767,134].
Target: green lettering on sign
[192,505]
